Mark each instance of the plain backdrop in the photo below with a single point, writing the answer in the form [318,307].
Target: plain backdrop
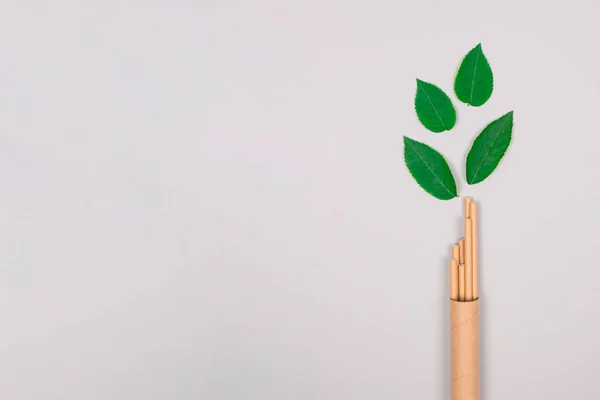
[207,199]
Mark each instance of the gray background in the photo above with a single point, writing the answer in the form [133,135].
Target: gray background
[207,200]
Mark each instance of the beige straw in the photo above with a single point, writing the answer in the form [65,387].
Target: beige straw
[461,282]
[461,251]
[456,253]
[468,260]
[474,250]
[468,202]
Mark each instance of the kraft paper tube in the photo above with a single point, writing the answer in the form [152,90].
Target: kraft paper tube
[464,350]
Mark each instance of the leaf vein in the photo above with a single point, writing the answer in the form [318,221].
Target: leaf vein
[473,80]
[489,150]
[427,165]
[432,106]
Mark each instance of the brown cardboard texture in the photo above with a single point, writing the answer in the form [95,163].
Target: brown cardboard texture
[464,350]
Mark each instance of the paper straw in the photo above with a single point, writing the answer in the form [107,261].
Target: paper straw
[468,202]
[474,251]
[468,260]
[461,282]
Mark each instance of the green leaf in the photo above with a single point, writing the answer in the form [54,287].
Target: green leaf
[489,148]
[434,108]
[430,169]
[474,81]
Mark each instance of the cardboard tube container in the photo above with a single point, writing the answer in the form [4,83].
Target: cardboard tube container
[464,349]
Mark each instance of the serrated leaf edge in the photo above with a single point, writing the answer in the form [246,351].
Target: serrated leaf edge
[446,129]
[473,84]
[471,182]
[430,102]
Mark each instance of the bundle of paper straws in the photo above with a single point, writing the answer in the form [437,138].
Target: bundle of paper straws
[464,310]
